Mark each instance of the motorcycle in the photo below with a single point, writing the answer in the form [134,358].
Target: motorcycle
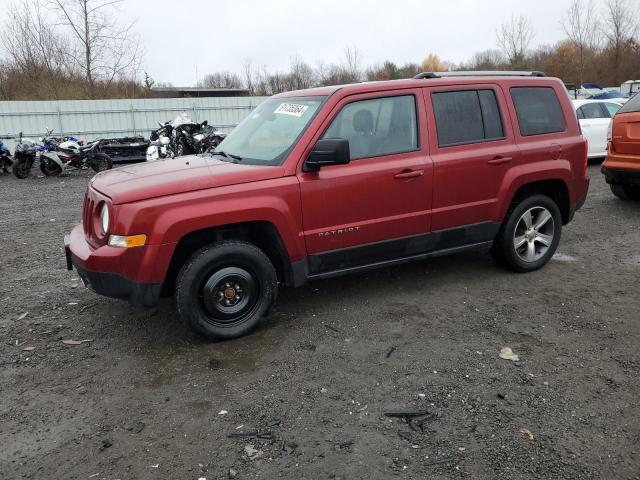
[28,151]
[208,138]
[70,155]
[160,143]
[24,155]
[5,158]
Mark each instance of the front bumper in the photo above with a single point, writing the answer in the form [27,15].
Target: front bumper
[110,284]
[621,177]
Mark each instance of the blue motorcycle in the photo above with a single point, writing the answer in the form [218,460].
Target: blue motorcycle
[5,158]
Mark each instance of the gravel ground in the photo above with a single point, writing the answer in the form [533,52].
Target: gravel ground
[307,393]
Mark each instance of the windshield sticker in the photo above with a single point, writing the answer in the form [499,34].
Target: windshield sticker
[292,109]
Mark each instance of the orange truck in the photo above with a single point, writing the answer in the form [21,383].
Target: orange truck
[622,165]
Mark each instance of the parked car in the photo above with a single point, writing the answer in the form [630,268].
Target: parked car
[630,88]
[621,168]
[595,118]
[335,180]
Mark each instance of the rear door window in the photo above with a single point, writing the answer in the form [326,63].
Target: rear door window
[467,116]
[590,111]
[612,108]
[538,110]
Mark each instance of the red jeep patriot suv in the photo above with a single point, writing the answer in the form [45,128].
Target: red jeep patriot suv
[335,180]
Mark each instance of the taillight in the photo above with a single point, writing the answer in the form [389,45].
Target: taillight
[586,155]
[610,131]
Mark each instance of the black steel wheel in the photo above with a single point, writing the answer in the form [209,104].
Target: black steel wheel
[225,289]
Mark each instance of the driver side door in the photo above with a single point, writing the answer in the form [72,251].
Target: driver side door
[376,207]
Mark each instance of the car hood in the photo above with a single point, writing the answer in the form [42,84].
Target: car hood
[185,174]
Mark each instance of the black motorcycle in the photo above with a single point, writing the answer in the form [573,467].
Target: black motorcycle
[24,155]
[185,138]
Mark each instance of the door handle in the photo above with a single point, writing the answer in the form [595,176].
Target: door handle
[409,174]
[499,160]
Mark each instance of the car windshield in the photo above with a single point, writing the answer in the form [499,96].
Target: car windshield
[268,134]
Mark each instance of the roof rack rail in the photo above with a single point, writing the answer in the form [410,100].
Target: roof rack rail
[488,73]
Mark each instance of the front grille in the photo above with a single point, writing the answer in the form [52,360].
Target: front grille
[90,214]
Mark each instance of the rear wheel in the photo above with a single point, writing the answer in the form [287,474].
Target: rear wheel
[101,162]
[530,236]
[225,289]
[626,192]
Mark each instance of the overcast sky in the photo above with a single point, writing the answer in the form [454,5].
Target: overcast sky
[215,35]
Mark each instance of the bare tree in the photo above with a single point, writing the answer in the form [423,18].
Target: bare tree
[620,26]
[486,60]
[33,45]
[582,27]
[221,80]
[101,48]
[352,61]
[514,38]
[301,74]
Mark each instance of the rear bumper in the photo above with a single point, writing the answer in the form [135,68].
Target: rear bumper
[108,283]
[620,176]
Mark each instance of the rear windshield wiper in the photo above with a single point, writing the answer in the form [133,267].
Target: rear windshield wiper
[230,156]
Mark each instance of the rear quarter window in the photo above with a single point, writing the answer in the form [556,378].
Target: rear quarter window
[538,110]
[633,105]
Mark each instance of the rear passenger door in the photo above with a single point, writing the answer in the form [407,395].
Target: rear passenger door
[473,148]
[594,121]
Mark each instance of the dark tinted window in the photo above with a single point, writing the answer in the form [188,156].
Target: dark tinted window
[380,126]
[491,115]
[633,105]
[466,116]
[590,111]
[538,110]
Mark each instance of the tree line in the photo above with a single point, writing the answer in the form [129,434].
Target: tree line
[86,53]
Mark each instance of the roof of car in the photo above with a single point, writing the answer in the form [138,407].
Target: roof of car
[583,101]
[365,87]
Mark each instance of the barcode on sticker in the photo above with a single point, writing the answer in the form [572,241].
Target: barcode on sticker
[292,109]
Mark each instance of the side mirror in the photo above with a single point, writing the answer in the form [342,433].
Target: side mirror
[328,151]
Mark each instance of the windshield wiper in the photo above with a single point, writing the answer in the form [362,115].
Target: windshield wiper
[230,156]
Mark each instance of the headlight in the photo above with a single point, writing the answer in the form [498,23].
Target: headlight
[104,218]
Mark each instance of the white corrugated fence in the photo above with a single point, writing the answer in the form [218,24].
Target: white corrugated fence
[91,119]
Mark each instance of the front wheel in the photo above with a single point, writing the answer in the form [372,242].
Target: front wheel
[626,192]
[101,162]
[49,168]
[22,168]
[225,289]
[530,236]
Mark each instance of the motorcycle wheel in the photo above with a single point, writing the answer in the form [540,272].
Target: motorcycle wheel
[21,168]
[181,148]
[50,168]
[101,162]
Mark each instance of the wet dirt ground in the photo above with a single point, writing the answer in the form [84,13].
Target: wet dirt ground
[306,394]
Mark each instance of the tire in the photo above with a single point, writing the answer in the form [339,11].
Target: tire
[181,148]
[101,162]
[22,168]
[225,289]
[524,249]
[626,192]
[50,168]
